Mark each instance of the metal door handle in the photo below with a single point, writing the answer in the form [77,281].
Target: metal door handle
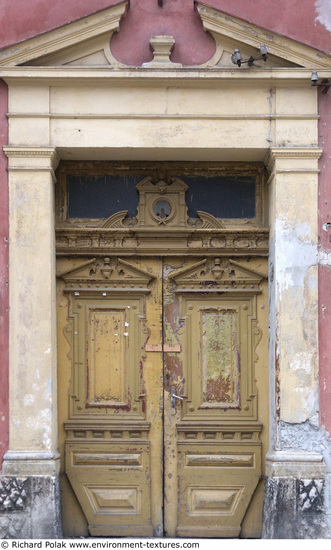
[173,397]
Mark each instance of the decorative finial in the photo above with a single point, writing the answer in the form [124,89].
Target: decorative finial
[162,47]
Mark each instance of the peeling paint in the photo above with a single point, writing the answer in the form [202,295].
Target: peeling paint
[324,258]
[295,255]
[28,400]
[303,436]
[326,226]
[323,9]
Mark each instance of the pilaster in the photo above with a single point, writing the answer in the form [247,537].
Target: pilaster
[32,459]
[294,460]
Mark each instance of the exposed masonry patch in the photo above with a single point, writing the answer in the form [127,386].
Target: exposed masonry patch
[323,8]
[304,437]
[296,254]
[324,258]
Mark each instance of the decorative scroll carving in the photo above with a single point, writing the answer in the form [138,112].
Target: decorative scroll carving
[205,221]
[119,220]
[68,333]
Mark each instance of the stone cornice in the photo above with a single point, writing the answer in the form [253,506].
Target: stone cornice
[11,152]
[221,75]
[296,152]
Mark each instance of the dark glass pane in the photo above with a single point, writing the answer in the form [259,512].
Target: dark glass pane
[91,196]
[100,196]
[221,196]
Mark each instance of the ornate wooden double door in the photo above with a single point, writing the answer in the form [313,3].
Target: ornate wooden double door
[163,394]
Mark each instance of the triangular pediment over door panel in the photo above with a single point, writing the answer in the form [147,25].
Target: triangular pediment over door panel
[232,33]
[86,43]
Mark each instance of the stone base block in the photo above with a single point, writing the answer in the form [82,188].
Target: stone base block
[30,507]
[294,509]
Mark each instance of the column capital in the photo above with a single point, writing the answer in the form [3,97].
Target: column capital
[295,152]
[293,159]
[32,159]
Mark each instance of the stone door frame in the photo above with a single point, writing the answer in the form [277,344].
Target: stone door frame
[161,113]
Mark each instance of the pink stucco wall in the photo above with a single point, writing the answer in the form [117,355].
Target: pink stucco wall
[307,21]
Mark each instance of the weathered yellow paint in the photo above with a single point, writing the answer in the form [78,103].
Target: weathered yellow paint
[106,355]
[188,470]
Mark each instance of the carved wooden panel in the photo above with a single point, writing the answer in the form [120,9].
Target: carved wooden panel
[216,483]
[108,337]
[220,352]
[107,333]
[106,350]
[112,486]
[218,365]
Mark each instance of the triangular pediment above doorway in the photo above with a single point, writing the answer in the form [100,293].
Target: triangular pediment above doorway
[230,33]
[86,43]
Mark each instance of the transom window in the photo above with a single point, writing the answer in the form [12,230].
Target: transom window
[88,193]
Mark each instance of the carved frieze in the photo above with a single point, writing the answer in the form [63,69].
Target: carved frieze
[116,240]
